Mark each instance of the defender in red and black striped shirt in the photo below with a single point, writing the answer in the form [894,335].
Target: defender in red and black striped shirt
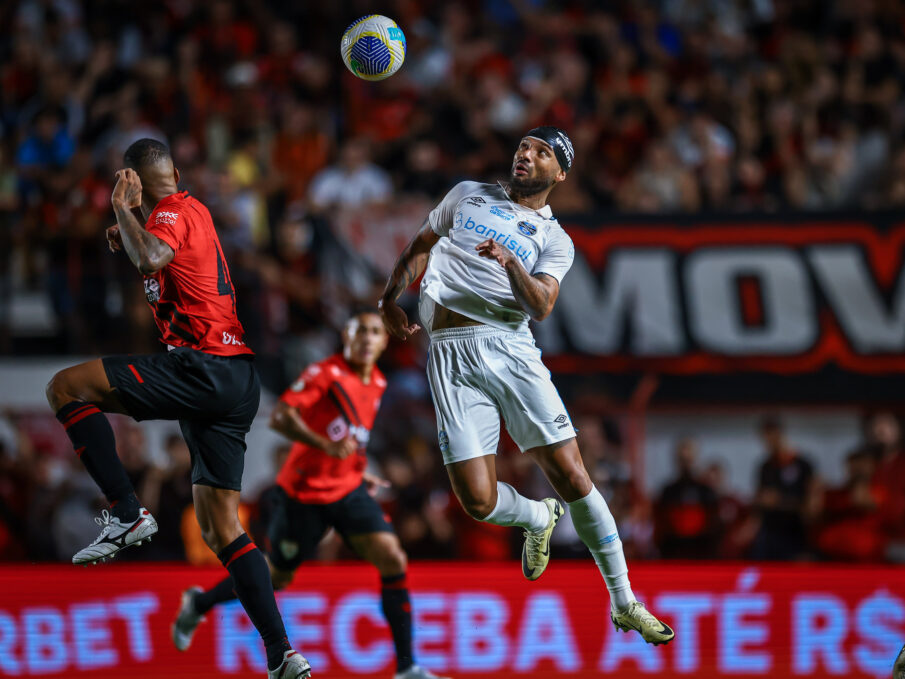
[206,380]
[192,297]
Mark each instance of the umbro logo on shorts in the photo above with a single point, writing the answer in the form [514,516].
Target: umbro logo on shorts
[562,421]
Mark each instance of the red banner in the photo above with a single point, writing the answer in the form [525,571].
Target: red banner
[470,621]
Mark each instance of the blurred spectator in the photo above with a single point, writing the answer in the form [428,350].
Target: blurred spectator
[45,151]
[851,527]
[423,511]
[687,516]
[737,527]
[300,149]
[785,494]
[15,487]
[883,443]
[268,498]
[352,182]
[167,493]
[75,509]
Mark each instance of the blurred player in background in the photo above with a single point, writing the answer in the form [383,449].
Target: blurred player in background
[494,256]
[207,380]
[328,413]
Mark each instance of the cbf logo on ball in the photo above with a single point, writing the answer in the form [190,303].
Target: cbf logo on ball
[527,228]
[373,47]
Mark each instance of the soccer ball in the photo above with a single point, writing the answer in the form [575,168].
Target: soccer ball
[373,47]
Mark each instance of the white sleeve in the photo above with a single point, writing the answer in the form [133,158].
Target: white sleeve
[441,217]
[556,258]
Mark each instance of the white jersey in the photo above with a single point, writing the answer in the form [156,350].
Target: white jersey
[477,287]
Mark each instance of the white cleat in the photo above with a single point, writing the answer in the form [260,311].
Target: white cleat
[637,617]
[417,672]
[183,628]
[294,666]
[115,536]
[536,550]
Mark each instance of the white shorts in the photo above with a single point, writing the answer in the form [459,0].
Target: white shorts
[478,373]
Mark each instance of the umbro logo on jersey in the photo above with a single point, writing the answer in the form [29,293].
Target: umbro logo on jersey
[562,421]
[527,228]
[476,201]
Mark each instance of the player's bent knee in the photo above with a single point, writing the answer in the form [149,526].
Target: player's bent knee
[579,481]
[393,562]
[478,509]
[58,390]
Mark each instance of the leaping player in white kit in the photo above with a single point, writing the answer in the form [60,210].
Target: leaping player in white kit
[495,256]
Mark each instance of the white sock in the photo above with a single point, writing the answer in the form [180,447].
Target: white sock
[596,527]
[513,509]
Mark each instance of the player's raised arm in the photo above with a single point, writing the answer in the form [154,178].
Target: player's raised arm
[410,264]
[148,253]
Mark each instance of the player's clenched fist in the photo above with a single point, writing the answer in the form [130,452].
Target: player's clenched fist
[127,191]
[343,448]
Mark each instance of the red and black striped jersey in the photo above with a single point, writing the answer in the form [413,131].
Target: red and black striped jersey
[192,297]
[334,402]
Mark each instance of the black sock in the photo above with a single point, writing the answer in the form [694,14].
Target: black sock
[92,437]
[394,600]
[251,578]
[225,590]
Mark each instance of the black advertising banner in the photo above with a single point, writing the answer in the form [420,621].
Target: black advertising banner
[794,297]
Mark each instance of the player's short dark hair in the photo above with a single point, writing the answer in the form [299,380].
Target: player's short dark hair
[145,152]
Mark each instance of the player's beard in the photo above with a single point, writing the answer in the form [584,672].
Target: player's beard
[525,186]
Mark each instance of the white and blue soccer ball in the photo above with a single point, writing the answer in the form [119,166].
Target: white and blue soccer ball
[373,47]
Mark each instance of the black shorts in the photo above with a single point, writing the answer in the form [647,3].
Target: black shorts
[215,399]
[296,528]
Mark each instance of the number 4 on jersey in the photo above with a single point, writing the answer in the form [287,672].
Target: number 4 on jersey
[224,285]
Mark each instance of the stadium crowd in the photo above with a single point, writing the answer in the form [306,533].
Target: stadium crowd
[792,515]
[673,105]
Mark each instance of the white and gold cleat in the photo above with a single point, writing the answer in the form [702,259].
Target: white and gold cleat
[536,550]
[637,617]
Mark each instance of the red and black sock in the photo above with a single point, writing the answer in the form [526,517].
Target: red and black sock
[92,437]
[251,580]
[394,600]
[223,591]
